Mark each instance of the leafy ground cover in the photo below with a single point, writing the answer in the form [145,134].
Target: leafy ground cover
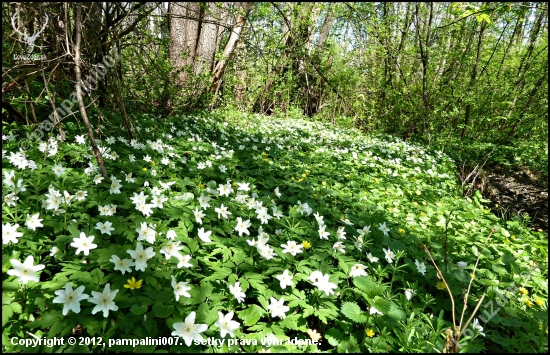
[260,230]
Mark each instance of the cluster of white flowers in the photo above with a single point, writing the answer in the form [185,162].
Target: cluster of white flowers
[321,281]
[145,199]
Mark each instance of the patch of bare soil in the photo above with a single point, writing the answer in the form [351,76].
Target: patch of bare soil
[514,193]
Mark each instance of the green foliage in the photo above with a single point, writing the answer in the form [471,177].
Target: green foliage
[378,197]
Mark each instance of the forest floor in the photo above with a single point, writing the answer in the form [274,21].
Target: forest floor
[517,192]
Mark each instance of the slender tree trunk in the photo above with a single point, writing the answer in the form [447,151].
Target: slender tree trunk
[78,75]
[510,43]
[402,40]
[473,78]
[423,44]
[531,97]
[219,68]
[316,88]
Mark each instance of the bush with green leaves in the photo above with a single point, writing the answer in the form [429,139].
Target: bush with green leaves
[258,230]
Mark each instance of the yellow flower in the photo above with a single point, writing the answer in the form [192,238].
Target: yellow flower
[144,169]
[370,332]
[292,177]
[376,181]
[306,244]
[472,276]
[314,335]
[201,186]
[401,230]
[513,237]
[153,163]
[133,284]
[441,285]
[539,302]
[523,290]
[324,183]
[528,302]
[314,195]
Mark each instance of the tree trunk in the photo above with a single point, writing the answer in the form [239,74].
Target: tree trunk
[78,76]
[184,35]
[315,90]
[206,45]
[219,68]
[473,78]
[423,35]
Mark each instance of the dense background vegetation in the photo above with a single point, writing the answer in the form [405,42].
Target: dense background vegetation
[402,102]
[445,73]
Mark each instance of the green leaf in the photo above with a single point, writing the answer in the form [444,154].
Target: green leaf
[334,336]
[150,280]
[82,277]
[97,276]
[163,274]
[138,310]
[16,307]
[251,315]
[382,305]
[6,298]
[511,322]
[349,346]
[73,229]
[219,274]
[353,312]
[40,302]
[162,311]
[47,320]
[199,294]
[56,329]
[258,285]
[396,312]
[10,286]
[7,312]
[371,288]
[343,265]
[325,313]
[294,322]
[499,269]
